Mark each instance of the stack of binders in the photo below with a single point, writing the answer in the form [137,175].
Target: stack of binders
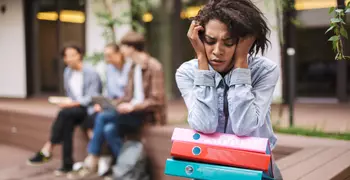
[218,156]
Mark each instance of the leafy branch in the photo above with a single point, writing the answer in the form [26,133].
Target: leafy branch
[337,25]
[110,19]
[280,7]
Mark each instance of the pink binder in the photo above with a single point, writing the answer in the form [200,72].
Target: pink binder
[253,144]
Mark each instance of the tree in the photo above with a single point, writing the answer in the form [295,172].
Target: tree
[110,19]
[337,26]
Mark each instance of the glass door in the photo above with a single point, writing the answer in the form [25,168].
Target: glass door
[47,47]
[54,24]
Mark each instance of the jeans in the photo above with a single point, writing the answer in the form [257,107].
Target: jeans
[112,127]
[63,128]
[106,129]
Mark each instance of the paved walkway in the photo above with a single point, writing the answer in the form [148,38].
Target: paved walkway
[335,118]
[13,166]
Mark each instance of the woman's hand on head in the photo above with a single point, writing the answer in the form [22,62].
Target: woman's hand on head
[198,45]
[242,51]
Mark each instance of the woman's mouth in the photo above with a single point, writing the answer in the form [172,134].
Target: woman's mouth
[216,62]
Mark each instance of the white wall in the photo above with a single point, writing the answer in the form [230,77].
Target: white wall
[274,51]
[12,51]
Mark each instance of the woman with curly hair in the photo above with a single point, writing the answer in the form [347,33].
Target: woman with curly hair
[228,88]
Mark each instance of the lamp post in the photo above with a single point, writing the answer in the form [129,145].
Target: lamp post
[291,64]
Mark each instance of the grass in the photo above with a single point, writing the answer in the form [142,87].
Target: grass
[311,133]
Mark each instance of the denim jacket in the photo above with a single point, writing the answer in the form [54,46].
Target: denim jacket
[249,98]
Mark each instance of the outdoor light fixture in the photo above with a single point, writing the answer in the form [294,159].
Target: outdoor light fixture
[68,16]
[47,16]
[315,4]
[72,16]
[147,17]
[190,12]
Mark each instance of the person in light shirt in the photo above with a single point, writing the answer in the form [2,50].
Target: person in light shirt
[228,88]
[144,102]
[116,73]
[81,83]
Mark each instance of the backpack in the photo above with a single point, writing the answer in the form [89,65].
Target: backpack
[132,163]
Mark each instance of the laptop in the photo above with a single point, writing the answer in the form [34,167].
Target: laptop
[104,102]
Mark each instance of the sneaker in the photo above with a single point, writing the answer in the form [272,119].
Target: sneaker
[110,177]
[73,175]
[62,171]
[38,159]
[82,173]
[108,173]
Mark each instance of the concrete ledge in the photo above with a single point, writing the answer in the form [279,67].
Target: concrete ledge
[298,157]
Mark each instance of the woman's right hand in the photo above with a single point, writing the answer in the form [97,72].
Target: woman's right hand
[197,44]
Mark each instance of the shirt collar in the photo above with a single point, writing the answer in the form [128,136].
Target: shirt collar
[144,64]
[218,77]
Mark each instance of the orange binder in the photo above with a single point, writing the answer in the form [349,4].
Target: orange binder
[220,155]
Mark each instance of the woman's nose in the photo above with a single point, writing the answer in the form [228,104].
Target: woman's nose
[218,50]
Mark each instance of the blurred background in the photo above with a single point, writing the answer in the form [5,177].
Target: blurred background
[33,32]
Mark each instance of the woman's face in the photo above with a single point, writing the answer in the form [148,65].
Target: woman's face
[219,46]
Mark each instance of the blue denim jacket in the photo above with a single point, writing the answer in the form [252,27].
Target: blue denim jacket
[249,98]
[117,79]
[92,86]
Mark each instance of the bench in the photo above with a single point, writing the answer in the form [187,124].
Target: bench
[297,157]
[317,163]
[320,159]
[30,130]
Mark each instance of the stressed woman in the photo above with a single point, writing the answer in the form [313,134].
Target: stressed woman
[228,88]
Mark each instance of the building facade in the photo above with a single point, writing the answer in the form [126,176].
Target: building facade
[318,76]
[33,31]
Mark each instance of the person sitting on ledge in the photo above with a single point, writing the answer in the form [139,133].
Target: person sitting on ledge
[81,83]
[144,102]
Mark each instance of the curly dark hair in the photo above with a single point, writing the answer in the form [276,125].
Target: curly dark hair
[72,45]
[242,18]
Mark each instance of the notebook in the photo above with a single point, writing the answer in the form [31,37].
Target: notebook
[196,170]
[104,102]
[252,144]
[220,155]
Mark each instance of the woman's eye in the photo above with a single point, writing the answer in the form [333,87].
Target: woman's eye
[229,43]
[209,41]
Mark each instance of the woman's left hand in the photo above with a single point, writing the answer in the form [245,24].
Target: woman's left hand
[242,51]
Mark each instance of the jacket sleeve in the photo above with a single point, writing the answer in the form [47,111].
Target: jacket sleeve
[198,90]
[249,105]
[94,88]
[157,92]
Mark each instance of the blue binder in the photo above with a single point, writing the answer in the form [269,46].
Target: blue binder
[194,170]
